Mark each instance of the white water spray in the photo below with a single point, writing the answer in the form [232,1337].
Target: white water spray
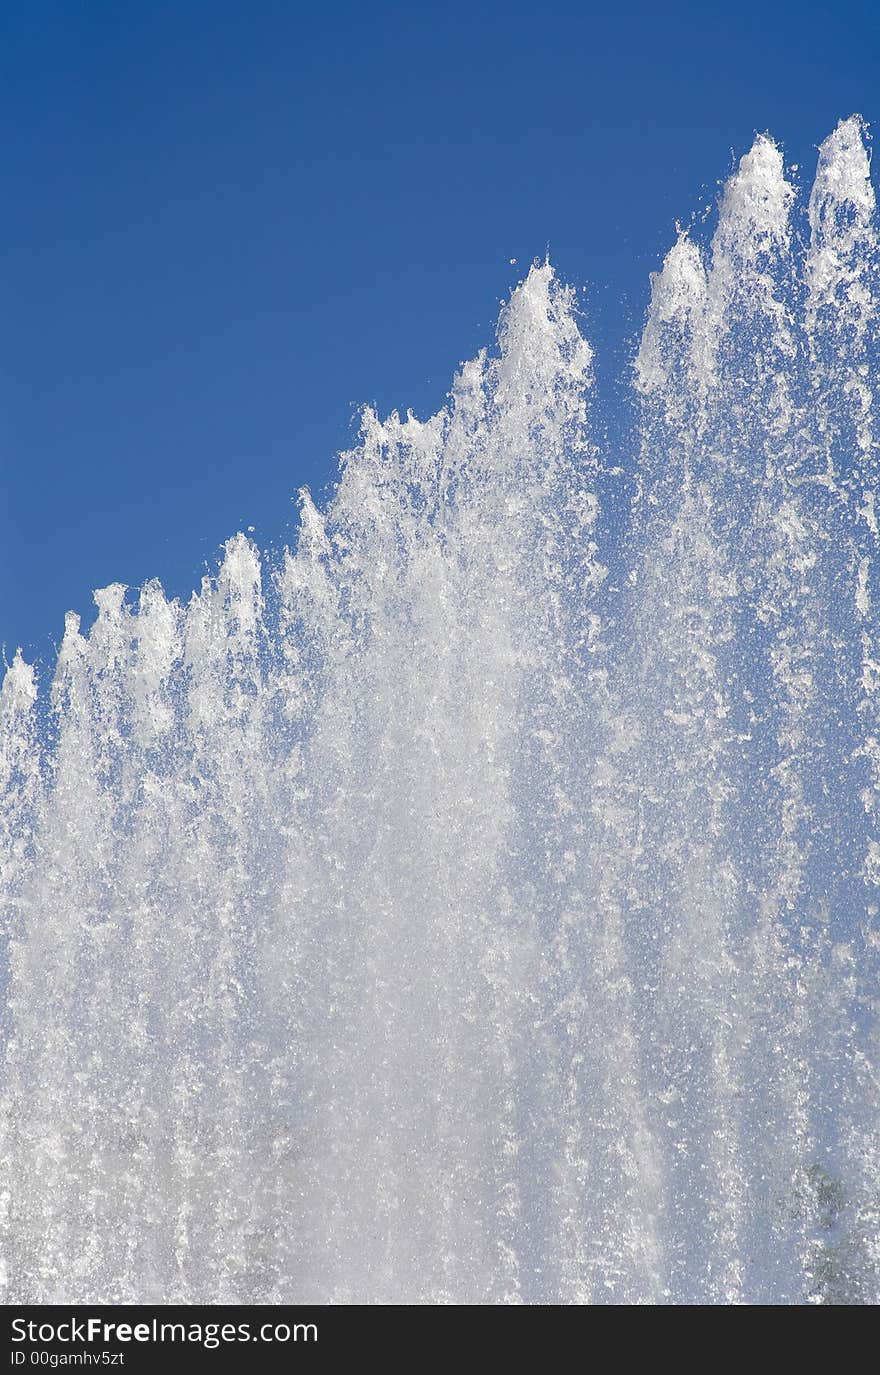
[429,919]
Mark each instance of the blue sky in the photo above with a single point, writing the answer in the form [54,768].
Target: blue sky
[224,226]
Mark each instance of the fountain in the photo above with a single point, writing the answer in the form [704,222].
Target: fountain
[480,905]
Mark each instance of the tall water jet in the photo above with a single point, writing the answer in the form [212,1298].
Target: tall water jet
[425,918]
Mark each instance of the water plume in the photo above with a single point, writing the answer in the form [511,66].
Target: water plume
[430,917]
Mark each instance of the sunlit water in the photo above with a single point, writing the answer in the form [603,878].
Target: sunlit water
[439,916]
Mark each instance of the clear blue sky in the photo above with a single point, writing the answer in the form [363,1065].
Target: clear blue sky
[225,225]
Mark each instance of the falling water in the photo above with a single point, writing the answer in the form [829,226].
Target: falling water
[437,916]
